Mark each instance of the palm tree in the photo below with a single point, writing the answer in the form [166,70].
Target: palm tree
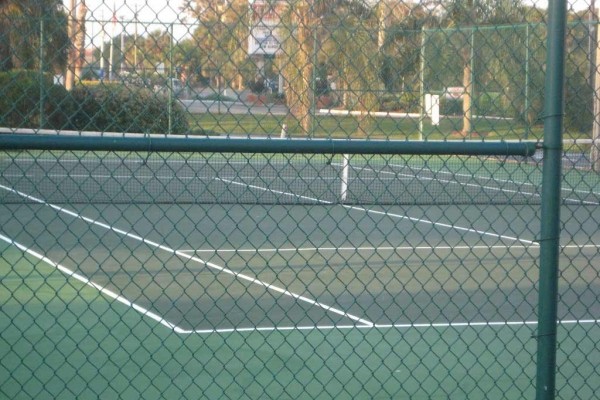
[20,34]
[345,27]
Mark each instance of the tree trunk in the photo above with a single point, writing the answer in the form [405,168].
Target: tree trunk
[467,96]
[80,41]
[5,57]
[71,52]
[303,110]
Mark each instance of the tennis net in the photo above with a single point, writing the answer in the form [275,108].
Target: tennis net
[270,178]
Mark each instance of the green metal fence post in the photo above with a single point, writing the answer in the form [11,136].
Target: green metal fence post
[526,116]
[550,224]
[422,89]
[313,89]
[170,81]
[472,88]
[41,75]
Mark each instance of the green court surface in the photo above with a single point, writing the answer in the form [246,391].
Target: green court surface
[106,348]
[298,298]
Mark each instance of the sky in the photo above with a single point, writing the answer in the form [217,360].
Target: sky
[157,14]
[152,15]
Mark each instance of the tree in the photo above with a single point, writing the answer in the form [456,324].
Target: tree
[322,32]
[469,13]
[298,70]
[400,43]
[76,50]
[221,37]
[20,34]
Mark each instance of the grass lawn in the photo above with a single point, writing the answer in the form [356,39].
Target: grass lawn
[352,127]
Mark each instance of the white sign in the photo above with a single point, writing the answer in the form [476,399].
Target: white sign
[454,92]
[432,108]
[435,109]
[265,37]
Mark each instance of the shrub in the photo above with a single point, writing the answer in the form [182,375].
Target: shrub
[450,106]
[122,108]
[257,86]
[23,93]
[579,103]
[488,104]
[405,101]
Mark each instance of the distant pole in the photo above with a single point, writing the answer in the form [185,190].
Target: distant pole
[80,40]
[170,82]
[103,38]
[527,55]
[595,148]
[41,76]
[592,40]
[472,78]
[111,56]
[122,65]
[595,82]
[135,39]
[422,78]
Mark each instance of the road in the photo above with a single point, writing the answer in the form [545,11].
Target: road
[231,107]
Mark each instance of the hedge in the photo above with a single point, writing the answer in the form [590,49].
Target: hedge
[20,94]
[123,108]
[93,107]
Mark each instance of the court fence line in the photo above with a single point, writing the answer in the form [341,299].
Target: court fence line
[299,199]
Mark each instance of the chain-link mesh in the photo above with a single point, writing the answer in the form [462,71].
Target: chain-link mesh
[278,274]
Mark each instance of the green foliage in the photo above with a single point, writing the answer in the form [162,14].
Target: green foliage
[96,107]
[25,93]
[484,104]
[450,106]
[579,112]
[490,104]
[256,86]
[405,102]
[121,108]
[27,24]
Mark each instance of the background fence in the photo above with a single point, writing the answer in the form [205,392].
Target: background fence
[299,199]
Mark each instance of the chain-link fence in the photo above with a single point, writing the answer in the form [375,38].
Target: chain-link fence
[299,199]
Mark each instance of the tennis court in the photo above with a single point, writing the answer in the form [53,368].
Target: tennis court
[299,258]
[235,252]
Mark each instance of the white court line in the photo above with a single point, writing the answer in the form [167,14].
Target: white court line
[426,178]
[444,225]
[367,324]
[88,282]
[383,248]
[429,325]
[297,196]
[102,161]
[480,177]
[179,330]
[346,248]
[227,271]
[387,214]
[133,177]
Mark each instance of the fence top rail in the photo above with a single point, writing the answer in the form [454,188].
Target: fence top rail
[163,143]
